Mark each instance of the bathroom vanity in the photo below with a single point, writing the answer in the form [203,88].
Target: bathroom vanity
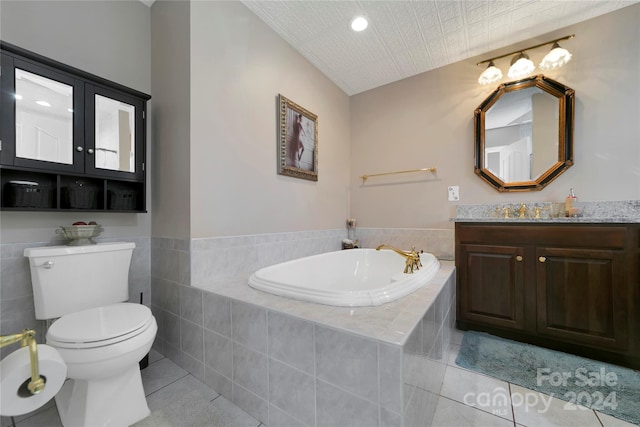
[567,284]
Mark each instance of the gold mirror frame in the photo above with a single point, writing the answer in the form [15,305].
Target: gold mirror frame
[565,96]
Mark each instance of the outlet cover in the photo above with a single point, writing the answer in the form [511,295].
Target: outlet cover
[454,193]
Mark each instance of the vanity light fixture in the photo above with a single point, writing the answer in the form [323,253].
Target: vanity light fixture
[522,66]
[556,57]
[491,75]
[359,23]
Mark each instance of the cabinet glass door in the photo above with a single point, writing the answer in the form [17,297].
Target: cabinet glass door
[115,133]
[44,118]
[41,118]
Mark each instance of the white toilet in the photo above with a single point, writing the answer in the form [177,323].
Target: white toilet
[100,337]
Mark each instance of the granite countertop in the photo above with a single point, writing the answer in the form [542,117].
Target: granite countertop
[575,220]
[615,212]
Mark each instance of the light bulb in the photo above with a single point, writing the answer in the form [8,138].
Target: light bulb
[491,75]
[556,58]
[359,23]
[521,66]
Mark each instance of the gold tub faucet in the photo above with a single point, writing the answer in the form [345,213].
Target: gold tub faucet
[412,257]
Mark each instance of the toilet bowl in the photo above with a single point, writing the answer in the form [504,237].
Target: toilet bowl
[100,338]
[102,347]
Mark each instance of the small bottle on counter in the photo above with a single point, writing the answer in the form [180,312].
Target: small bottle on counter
[569,203]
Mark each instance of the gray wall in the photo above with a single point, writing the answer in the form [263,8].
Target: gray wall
[238,67]
[111,39]
[427,120]
[171,81]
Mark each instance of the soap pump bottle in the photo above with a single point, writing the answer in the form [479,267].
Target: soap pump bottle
[570,202]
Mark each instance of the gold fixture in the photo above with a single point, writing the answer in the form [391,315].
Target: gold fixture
[522,212]
[412,257]
[542,259]
[365,177]
[506,212]
[521,65]
[519,258]
[27,338]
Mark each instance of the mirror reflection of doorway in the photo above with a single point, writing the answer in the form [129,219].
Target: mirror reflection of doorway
[47,145]
[43,118]
[512,162]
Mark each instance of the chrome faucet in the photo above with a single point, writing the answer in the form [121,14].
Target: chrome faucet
[412,258]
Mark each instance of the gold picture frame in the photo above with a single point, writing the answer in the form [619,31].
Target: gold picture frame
[297,140]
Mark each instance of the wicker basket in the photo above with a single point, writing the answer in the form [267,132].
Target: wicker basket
[27,194]
[80,197]
[122,199]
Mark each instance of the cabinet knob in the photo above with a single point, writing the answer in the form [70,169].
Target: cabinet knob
[90,150]
[79,148]
[542,259]
[519,258]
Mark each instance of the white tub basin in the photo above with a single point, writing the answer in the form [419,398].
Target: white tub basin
[356,277]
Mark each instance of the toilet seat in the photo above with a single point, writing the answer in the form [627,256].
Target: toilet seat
[101,326]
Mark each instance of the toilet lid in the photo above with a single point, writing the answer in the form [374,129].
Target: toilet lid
[100,326]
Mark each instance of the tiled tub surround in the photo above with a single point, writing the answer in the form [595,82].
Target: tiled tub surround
[439,242]
[288,362]
[627,211]
[16,294]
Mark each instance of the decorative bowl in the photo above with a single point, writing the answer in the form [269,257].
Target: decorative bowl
[79,235]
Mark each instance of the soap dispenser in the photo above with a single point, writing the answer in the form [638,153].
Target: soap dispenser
[570,203]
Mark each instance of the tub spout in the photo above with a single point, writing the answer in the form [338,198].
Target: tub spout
[412,258]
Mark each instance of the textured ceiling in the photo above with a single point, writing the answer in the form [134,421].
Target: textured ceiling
[405,38]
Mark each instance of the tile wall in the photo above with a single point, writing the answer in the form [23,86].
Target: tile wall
[425,358]
[439,242]
[256,356]
[16,294]
[245,360]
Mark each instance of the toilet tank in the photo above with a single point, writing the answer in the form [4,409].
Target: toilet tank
[67,279]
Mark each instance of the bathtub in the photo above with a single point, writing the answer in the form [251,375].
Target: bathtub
[355,277]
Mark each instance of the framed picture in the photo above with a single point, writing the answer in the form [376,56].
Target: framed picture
[297,140]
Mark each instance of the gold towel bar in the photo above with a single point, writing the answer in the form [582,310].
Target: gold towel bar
[364,177]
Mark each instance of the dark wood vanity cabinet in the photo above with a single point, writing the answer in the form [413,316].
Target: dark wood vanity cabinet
[69,140]
[492,281]
[572,287]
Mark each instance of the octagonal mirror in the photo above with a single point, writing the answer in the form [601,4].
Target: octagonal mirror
[524,134]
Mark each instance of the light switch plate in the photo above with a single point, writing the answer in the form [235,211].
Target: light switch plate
[454,193]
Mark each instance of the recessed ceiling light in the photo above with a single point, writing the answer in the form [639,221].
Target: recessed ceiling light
[43,103]
[18,96]
[359,23]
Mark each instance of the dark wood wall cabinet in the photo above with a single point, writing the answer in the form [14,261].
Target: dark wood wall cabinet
[570,287]
[69,140]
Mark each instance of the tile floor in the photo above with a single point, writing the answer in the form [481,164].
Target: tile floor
[177,399]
